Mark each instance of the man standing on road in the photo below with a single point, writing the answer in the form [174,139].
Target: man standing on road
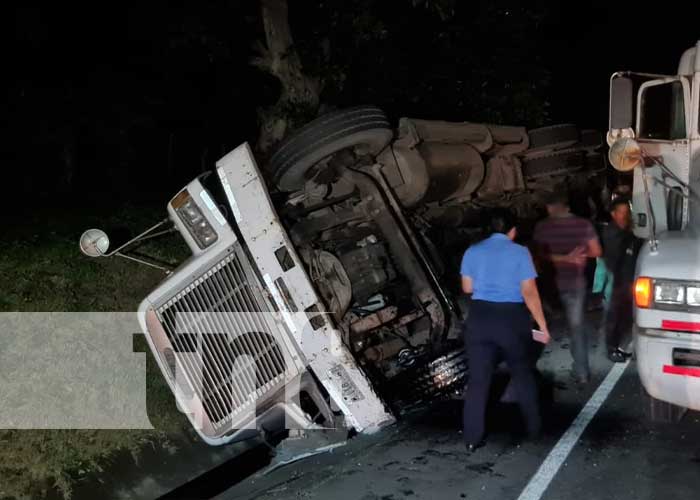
[500,276]
[564,241]
[620,248]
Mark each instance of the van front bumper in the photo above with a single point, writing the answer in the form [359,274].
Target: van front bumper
[667,366]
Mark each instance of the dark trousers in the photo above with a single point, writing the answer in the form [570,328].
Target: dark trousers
[574,302]
[498,331]
[619,318]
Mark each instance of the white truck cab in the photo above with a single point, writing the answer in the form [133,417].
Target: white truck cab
[654,133]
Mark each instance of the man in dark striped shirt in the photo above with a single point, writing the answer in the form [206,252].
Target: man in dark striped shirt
[563,243]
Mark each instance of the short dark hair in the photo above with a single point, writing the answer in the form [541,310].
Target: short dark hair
[502,221]
[621,200]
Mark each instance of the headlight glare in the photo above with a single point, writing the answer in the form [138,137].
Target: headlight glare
[693,295]
[669,293]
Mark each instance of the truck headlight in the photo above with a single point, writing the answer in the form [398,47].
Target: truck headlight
[669,293]
[192,216]
[693,295]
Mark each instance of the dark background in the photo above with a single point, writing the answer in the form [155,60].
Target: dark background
[110,103]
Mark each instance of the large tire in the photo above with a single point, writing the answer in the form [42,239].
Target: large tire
[441,378]
[674,209]
[552,138]
[555,163]
[363,128]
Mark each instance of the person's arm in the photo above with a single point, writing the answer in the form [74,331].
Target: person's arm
[593,248]
[578,255]
[528,288]
[574,257]
[466,272]
[531,296]
[467,285]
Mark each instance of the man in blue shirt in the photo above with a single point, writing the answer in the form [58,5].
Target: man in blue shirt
[500,276]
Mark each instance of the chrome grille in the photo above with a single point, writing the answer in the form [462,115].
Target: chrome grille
[229,351]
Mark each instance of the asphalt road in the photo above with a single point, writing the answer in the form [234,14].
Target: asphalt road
[619,455]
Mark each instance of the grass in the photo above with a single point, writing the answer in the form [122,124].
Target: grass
[42,269]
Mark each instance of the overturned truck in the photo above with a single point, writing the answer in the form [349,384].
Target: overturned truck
[347,237]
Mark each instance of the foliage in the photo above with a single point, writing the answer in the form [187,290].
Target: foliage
[163,90]
[475,61]
[43,270]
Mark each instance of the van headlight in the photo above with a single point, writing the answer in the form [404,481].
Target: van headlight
[669,293]
[198,225]
[693,295]
[666,294]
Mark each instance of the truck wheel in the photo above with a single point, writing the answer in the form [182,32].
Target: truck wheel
[555,163]
[364,129]
[658,411]
[553,138]
[674,209]
[441,378]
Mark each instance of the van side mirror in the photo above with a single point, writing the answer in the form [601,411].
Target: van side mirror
[621,103]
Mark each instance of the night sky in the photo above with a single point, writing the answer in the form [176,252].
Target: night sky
[144,98]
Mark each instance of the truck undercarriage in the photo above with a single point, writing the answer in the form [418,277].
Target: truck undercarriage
[380,223]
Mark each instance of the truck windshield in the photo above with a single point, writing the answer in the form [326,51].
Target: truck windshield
[663,112]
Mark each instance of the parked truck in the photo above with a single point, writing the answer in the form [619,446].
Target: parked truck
[654,134]
[348,236]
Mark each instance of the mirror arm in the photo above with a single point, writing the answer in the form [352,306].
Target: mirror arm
[653,242]
[159,233]
[144,262]
[669,173]
[140,236]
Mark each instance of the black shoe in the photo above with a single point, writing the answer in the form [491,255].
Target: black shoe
[617,356]
[626,354]
[471,447]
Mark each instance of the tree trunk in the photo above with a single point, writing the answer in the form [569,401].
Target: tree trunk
[299,94]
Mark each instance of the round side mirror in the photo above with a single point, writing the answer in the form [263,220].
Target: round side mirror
[94,243]
[625,155]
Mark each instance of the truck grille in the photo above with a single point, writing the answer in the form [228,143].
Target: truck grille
[229,350]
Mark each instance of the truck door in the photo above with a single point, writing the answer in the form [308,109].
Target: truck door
[663,122]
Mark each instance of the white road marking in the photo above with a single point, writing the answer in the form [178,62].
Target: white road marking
[543,477]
